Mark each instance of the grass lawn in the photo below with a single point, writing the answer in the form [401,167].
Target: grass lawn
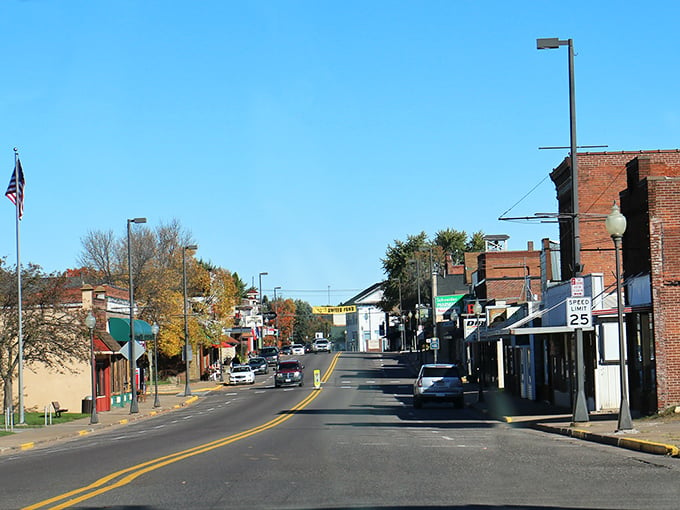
[38,420]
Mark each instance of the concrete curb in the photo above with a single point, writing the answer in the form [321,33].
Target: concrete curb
[83,432]
[639,445]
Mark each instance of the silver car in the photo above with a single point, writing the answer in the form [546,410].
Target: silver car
[438,382]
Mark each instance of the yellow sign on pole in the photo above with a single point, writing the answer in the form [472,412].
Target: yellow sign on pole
[317,379]
[332,310]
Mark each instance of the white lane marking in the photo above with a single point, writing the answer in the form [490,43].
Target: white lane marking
[187,417]
[345,387]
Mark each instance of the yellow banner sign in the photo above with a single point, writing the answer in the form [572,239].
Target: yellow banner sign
[330,310]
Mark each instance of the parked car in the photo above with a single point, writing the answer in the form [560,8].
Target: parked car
[259,365]
[287,351]
[241,374]
[440,382]
[321,345]
[271,354]
[297,350]
[289,373]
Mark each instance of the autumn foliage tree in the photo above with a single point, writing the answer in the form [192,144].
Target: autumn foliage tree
[52,334]
[157,270]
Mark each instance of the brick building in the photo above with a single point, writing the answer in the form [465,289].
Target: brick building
[651,255]
[647,183]
[512,275]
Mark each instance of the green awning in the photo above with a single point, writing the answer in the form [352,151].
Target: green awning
[120,330]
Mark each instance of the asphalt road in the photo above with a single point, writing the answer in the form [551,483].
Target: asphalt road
[356,443]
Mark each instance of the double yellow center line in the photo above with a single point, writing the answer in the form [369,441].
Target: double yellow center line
[127,475]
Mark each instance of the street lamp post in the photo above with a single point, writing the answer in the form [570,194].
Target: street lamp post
[187,388]
[477,309]
[616,226]
[90,322]
[259,337]
[580,412]
[276,319]
[154,330]
[134,408]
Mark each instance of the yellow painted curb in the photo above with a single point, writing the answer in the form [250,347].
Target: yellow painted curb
[191,400]
[27,446]
[83,432]
[648,446]
[123,421]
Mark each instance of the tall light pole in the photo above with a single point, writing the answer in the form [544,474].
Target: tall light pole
[580,412]
[477,309]
[616,226]
[134,408]
[90,322]
[187,388]
[155,329]
[276,319]
[259,337]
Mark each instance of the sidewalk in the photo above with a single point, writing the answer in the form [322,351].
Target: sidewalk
[658,435]
[171,397]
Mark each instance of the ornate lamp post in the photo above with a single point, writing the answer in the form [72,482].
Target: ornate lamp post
[187,388]
[90,322]
[134,408]
[154,330]
[477,309]
[616,226]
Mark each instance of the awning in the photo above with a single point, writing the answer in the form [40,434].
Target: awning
[104,343]
[120,330]
[230,342]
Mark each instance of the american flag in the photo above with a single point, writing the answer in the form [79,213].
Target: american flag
[16,193]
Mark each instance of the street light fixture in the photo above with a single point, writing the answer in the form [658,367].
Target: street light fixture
[187,388]
[580,413]
[134,408]
[155,329]
[90,322]
[616,226]
[259,337]
[477,310]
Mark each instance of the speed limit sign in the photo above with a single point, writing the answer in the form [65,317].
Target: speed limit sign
[579,314]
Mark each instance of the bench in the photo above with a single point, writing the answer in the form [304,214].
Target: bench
[58,409]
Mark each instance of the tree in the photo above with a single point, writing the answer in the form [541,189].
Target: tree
[409,265]
[99,253]
[453,242]
[53,335]
[303,326]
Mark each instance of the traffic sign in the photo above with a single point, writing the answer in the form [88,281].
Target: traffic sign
[579,312]
[578,288]
[269,316]
[434,343]
[137,350]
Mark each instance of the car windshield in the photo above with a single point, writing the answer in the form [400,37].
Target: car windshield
[441,372]
[289,366]
[268,351]
[241,368]
[257,361]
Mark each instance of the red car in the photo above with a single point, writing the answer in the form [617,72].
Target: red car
[289,373]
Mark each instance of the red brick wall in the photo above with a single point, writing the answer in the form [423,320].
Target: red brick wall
[504,273]
[664,235]
[602,176]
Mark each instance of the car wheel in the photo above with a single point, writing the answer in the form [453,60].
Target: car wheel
[417,403]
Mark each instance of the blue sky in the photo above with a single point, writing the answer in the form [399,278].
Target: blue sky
[303,137]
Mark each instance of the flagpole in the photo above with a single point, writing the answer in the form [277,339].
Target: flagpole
[22,418]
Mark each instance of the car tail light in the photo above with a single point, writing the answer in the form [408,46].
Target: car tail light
[419,383]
